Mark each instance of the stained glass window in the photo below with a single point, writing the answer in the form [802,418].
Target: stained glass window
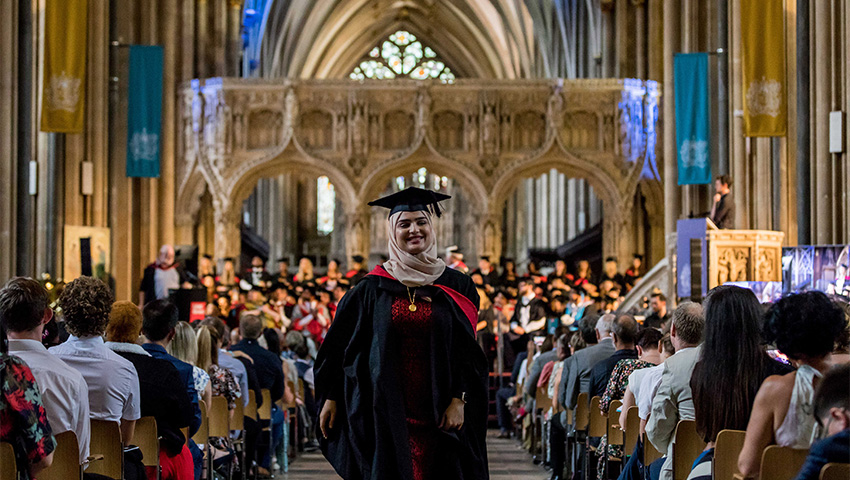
[325,205]
[402,55]
[421,178]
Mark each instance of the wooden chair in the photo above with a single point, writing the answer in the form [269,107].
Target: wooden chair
[251,409]
[219,425]
[146,437]
[237,423]
[264,413]
[542,403]
[66,460]
[835,471]
[726,451]
[687,446]
[597,426]
[615,434]
[782,463]
[650,453]
[8,466]
[632,432]
[582,422]
[106,441]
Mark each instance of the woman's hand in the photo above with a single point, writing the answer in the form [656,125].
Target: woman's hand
[327,417]
[453,418]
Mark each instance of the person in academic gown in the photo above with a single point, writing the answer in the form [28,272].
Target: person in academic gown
[400,380]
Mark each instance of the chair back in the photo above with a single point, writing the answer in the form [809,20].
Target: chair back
[66,460]
[264,411]
[687,446]
[650,453]
[582,412]
[726,451]
[632,430]
[782,463]
[106,441]
[541,398]
[146,437]
[238,421]
[835,471]
[251,409]
[202,435]
[8,467]
[598,422]
[615,433]
[219,417]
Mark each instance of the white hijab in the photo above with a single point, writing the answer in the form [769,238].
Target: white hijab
[413,270]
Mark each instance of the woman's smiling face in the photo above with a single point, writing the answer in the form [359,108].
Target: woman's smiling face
[413,232]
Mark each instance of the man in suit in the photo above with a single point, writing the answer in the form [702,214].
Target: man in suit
[674,400]
[832,411]
[723,209]
[576,378]
[624,333]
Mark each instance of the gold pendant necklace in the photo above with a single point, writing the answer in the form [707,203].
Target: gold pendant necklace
[412,306]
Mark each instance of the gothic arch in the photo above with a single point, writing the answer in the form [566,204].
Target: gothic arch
[375,181]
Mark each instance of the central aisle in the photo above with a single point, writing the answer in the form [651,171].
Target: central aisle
[507,462]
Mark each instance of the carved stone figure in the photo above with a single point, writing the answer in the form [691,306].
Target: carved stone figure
[341,133]
[489,127]
[359,132]
[471,133]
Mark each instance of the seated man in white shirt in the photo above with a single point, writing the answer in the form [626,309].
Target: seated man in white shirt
[24,311]
[112,380]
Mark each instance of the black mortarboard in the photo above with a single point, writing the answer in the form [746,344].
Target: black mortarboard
[358,258]
[228,259]
[412,199]
[283,259]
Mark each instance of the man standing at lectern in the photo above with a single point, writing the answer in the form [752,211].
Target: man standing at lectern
[723,209]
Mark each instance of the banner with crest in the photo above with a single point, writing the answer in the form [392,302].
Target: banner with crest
[690,83]
[763,65]
[64,87]
[144,115]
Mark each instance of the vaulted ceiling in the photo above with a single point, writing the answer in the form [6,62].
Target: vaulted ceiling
[327,38]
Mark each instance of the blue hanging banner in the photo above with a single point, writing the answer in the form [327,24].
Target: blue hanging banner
[144,115]
[690,71]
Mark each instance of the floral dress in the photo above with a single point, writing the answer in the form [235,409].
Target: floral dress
[224,384]
[616,390]
[23,420]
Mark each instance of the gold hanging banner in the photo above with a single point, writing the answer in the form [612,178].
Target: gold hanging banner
[63,97]
[763,59]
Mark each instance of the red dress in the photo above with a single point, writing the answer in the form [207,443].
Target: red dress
[412,332]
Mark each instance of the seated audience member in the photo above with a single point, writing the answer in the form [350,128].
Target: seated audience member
[660,315]
[163,393]
[86,303]
[23,420]
[297,344]
[24,312]
[547,354]
[732,366]
[222,381]
[804,327]
[673,400]
[832,412]
[624,331]
[503,413]
[576,376]
[184,347]
[269,373]
[159,324]
[226,360]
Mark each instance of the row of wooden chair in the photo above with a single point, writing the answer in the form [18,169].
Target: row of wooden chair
[778,463]
[107,450]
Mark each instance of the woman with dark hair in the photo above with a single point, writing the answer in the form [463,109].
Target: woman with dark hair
[400,380]
[23,420]
[804,327]
[733,363]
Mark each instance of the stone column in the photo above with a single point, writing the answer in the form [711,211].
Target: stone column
[202,36]
[8,134]
[234,37]
[671,190]
[490,238]
[219,20]
[822,199]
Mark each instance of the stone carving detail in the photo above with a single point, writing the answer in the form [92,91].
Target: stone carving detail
[764,265]
[399,130]
[265,129]
[581,130]
[732,265]
[489,131]
[448,131]
[315,130]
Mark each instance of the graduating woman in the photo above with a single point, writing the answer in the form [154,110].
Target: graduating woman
[401,381]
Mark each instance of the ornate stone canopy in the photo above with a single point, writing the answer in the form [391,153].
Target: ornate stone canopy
[486,134]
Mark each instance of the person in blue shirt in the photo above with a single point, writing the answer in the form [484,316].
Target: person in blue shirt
[832,411]
[159,321]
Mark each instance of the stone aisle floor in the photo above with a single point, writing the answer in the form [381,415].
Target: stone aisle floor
[507,462]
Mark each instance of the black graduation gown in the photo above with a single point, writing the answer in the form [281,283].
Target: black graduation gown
[355,367]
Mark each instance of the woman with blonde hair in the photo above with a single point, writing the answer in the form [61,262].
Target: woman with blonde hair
[184,347]
[222,381]
[305,276]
